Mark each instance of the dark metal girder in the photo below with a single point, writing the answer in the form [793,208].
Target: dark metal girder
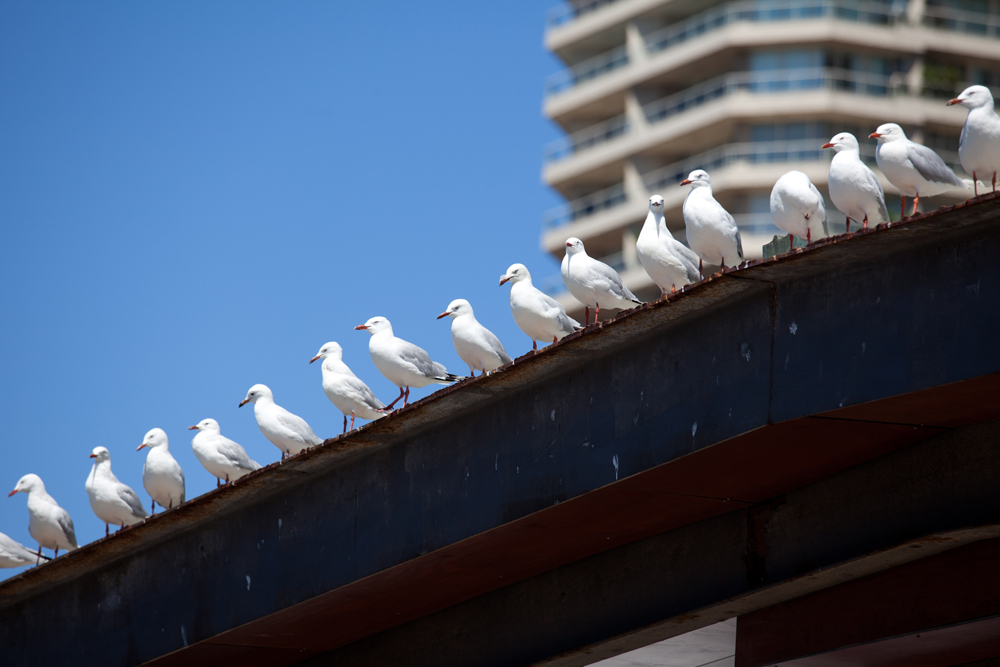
[566,454]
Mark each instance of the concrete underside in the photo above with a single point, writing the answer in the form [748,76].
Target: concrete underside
[768,434]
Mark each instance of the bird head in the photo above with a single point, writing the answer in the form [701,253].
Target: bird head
[376,325]
[656,204]
[154,438]
[842,142]
[457,308]
[515,274]
[329,350]
[100,454]
[974,97]
[209,425]
[257,392]
[574,246]
[888,132]
[698,179]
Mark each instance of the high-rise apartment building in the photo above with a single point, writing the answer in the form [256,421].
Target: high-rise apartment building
[748,90]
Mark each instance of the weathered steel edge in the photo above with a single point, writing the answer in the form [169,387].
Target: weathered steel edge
[648,319]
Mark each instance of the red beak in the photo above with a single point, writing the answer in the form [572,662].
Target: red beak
[568,244]
[92,456]
[243,402]
[314,359]
[503,279]
[827,146]
[954,101]
[874,135]
[445,313]
[141,446]
[360,326]
[12,493]
[686,181]
[192,428]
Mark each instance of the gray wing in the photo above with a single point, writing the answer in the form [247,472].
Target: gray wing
[66,525]
[688,258]
[132,500]
[555,310]
[421,360]
[739,243]
[299,426]
[236,454]
[930,165]
[496,346]
[617,286]
[15,550]
[363,391]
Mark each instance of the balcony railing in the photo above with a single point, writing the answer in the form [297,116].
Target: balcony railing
[586,70]
[776,81]
[976,23]
[718,17]
[568,12]
[585,206]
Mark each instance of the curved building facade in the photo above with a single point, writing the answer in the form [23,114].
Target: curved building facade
[747,90]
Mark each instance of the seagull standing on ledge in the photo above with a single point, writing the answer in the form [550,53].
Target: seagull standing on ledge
[15,554]
[476,345]
[670,263]
[48,524]
[289,433]
[535,312]
[592,282]
[222,457]
[711,230]
[797,207]
[344,389]
[402,363]
[854,188]
[913,169]
[161,475]
[112,501]
[979,145]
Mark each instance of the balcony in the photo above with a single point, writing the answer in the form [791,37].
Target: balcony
[777,81]
[879,13]
[567,12]
[956,20]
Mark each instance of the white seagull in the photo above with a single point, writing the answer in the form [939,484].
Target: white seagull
[403,363]
[49,524]
[711,230]
[161,474]
[592,282]
[979,145]
[289,433]
[476,345]
[913,169]
[535,312]
[224,458]
[670,263]
[797,207]
[348,393]
[112,501]
[15,554]
[854,188]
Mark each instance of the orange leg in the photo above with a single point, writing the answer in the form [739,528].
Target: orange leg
[916,200]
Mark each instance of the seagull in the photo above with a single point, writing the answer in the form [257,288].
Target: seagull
[15,554]
[854,188]
[915,170]
[592,282]
[535,312]
[344,389]
[476,345]
[403,363]
[979,145]
[670,263]
[797,207]
[711,230]
[222,457]
[49,524]
[289,433]
[112,501]
[161,475]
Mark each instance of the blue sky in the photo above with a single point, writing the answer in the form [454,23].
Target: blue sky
[196,196]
